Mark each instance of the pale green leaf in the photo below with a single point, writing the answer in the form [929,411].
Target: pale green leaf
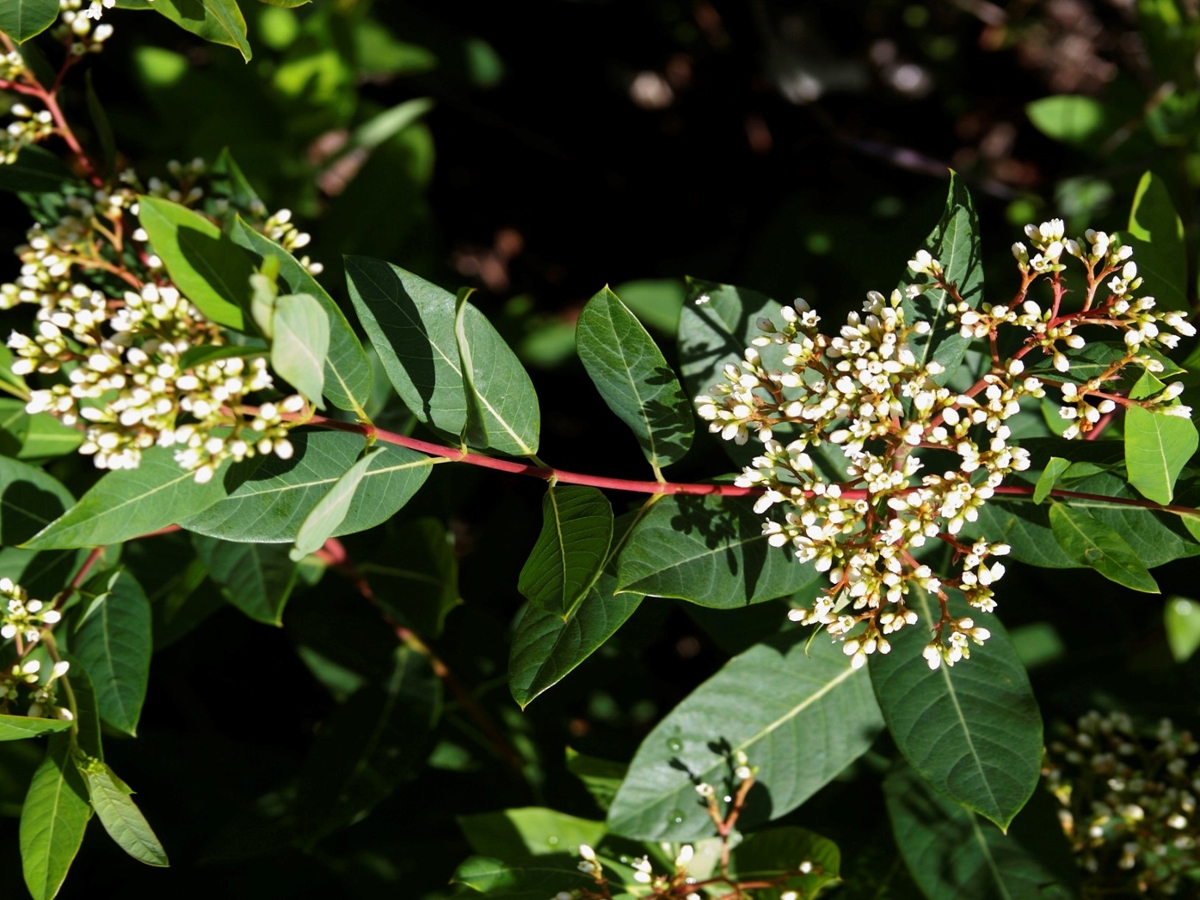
[577,527]
[634,379]
[1181,620]
[1157,447]
[17,728]
[973,729]
[1054,470]
[537,878]
[120,816]
[776,703]
[209,268]
[531,831]
[1156,233]
[1070,118]
[330,511]
[53,820]
[1089,541]
[300,344]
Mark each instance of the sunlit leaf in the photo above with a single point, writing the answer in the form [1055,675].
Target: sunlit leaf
[120,816]
[1089,541]
[53,820]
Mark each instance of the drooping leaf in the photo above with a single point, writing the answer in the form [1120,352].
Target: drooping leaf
[36,170]
[577,527]
[273,502]
[17,728]
[114,644]
[532,879]
[53,820]
[370,744]
[1156,233]
[972,730]
[23,19]
[218,21]
[776,703]
[770,855]
[1157,447]
[120,816]
[1070,118]
[547,646]
[330,510]
[1054,470]
[1092,543]
[952,854]
[954,242]
[418,583]
[347,370]
[634,379]
[532,831]
[300,344]
[209,268]
[256,578]
[708,550]
[127,503]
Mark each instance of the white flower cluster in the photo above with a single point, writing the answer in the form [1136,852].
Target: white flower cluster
[21,617]
[27,128]
[280,229]
[79,28]
[12,64]
[1128,801]
[865,392]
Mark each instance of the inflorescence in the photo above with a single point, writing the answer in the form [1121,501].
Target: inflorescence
[873,396]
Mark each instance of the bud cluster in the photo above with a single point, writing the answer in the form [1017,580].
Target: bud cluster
[873,396]
[24,620]
[78,27]
[1128,802]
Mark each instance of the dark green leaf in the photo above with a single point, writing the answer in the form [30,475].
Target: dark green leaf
[273,502]
[104,132]
[17,728]
[331,509]
[601,777]
[634,379]
[300,344]
[35,171]
[1157,447]
[954,242]
[708,550]
[972,730]
[53,820]
[533,879]
[772,854]
[1156,234]
[532,831]
[30,499]
[127,503]
[347,371]
[418,584]
[209,268]
[114,644]
[1090,542]
[256,578]
[952,854]
[120,816]
[22,19]
[778,705]
[577,527]
[228,180]
[370,744]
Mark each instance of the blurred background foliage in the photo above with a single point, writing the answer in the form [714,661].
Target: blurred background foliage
[537,151]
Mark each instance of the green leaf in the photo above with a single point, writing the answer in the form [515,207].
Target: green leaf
[708,550]
[114,644]
[370,744]
[30,499]
[1157,447]
[634,379]
[502,407]
[601,777]
[972,730]
[1089,541]
[1181,620]
[534,879]
[547,646]
[17,728]
[1156,233]
[778,705]
[330,511]
[53,819]
[655,301]
[1093,360]
[256,578]
[954,242]
[953,854]
[411,324]
[1054,470]
[300,344]
[418,585]
[209,268]
[1070,118]
[120,816]
[127,503]
[228,180]
[532,831]
[770,855]
[218,21]
[347,370]
[22,19]
[577,527]
[35,171]
[273,502]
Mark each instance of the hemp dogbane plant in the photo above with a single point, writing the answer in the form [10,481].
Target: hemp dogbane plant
[175,361]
